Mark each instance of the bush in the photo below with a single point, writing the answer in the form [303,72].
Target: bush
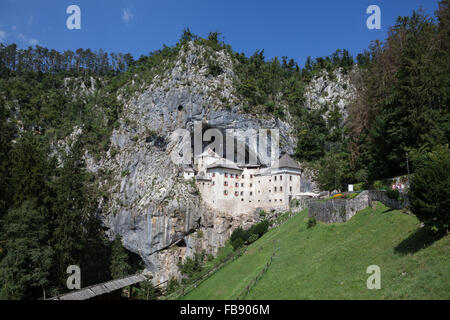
[379,185]
[240,236]
[237,243]
[311,222]
[259,229]
[393,194]
[194,265]
[253,238]
[429,193]
[173,285]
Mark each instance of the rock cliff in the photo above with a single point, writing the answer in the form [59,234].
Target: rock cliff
[159,215]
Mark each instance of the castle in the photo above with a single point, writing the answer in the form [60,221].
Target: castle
[238,188]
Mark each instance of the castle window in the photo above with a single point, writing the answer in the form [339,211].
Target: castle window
[259,200]
[243,176]
[281,178]
[251,193]
[225,192]
[251,176]
[275,178]
[290,178]
[251,184]
[275,189]
[213,183]
[275,200]
[226,175]
[231,175]
[281,200]
[281,189]
[242,193]
[290,189]
[236,194]
[236,184]
[213,174]
[242,185]
[225,183]
[242,199]
[180,108]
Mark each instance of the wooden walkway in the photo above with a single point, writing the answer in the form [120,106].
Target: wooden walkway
[102,288]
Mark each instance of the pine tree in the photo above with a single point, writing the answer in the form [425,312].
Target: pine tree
[119,266]
[25,268]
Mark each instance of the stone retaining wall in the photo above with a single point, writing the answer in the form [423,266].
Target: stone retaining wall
[342,210]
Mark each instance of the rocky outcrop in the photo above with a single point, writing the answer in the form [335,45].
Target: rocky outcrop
[331,91]
[160,215]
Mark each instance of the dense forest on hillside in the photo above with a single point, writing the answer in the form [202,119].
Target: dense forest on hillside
[48,206]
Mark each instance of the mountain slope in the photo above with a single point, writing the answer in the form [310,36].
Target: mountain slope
[330,261]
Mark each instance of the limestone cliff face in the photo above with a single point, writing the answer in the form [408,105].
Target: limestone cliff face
[329,91]
[160,215]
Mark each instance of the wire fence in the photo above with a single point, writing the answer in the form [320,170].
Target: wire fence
[254,281]
[185,289]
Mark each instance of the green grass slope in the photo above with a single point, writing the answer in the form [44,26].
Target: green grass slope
[330,261]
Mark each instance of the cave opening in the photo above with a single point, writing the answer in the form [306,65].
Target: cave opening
[181,244]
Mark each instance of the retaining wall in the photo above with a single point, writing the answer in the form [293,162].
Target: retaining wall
[342,210]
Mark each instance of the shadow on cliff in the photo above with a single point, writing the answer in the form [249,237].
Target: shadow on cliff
[419,239]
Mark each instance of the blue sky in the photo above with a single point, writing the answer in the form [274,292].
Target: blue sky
[293,28]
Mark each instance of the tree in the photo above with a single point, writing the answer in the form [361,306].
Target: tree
[73,214]
[119,266]
[429,194]
[25,268]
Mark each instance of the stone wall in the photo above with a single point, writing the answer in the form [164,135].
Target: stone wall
[342,210]
[381,196]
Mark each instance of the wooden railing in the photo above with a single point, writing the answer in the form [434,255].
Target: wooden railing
[254,281]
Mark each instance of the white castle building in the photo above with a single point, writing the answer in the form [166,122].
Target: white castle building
[229,187]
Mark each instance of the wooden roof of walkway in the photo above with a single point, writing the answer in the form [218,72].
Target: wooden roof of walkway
[102,288]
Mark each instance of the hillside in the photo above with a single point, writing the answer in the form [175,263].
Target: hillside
[330,261]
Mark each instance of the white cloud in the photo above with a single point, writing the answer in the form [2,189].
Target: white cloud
[13,28]
[127,15]
[29,41]
[2,36]
[30,20]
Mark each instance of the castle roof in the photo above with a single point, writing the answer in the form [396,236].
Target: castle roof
[287,162]
[224,164]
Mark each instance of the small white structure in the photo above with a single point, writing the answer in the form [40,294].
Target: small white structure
[228,187]
[188,173]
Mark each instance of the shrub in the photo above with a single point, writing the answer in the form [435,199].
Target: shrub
[393,194]
[378,185]
[240,236]
[237,243]
[311,222]
[253,238]
[429,193]
[173,285]
[194,265]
